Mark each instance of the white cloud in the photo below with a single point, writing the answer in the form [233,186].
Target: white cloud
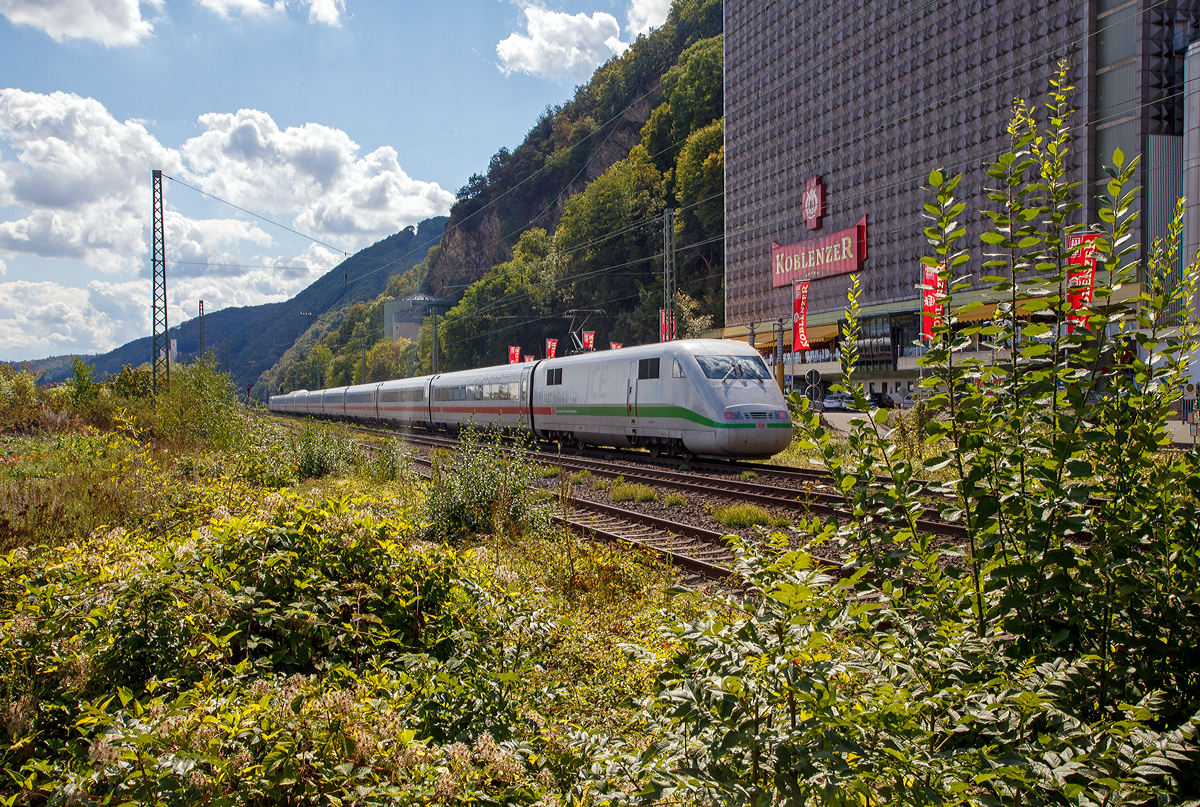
[642,15]
[249,8]
[328,12]
[109,22]
[560,45]
[82,177]
[80,186]
[41,318]
[246,158]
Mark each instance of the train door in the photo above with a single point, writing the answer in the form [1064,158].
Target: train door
[631,390]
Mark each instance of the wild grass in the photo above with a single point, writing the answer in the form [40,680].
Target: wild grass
[743,516]
[632,493]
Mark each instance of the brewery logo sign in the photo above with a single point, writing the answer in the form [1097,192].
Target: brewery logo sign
[813,202]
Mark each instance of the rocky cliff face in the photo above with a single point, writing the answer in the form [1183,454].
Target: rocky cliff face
[566,149]
[475,242]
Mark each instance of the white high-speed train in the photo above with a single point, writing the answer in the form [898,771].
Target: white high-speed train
[704,397]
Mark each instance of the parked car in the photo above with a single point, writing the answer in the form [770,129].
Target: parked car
[913,398]
[838,402]
[881,400]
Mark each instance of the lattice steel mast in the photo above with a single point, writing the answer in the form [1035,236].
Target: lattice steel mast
[160,341]
[669,274]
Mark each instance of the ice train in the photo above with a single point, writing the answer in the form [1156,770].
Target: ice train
[701,397]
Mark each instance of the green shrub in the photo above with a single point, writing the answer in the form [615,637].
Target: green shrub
[675,500]
[1079,538]
[388,461]
[551,472]
[483,487]
[318,451]
[748,476]
[632,493]
[580,477]
[199,404]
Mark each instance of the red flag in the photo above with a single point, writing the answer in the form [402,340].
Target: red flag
[589,340]
[615,345]
[529,358]
[800,318]
[666,326]
[931,308]
[514,354]
[551,348]
[1081,283]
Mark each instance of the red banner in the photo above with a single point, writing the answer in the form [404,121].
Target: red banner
[932,315]
[529,358]
[800,318]
[666,326]
[615,346]
[589,340]
[551,348]
[834,254]
[514,354]
[1081,283]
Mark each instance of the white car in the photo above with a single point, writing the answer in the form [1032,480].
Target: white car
[838,402]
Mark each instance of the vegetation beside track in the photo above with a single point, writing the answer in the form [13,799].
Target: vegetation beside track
[218,612]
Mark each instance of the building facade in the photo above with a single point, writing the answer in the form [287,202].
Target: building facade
[859,101]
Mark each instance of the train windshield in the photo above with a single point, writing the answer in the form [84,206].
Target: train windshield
[724,368]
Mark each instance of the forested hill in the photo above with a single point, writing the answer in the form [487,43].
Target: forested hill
[248,340]
[569,147]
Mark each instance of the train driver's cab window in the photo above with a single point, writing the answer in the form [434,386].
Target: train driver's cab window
[676,370]
[647,368]
[554,377]
[729,368]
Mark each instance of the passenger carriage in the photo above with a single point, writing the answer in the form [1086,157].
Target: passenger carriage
[493,397]
[404,402]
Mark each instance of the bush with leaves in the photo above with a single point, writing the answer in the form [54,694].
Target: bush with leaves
[1080,532]
[824,691]
[483,487]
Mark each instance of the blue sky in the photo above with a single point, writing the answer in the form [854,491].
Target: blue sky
[345,119]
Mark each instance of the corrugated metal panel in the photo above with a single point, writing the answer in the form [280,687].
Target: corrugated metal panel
[1164,186]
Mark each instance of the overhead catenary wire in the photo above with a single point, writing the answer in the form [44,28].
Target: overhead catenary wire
[257,216]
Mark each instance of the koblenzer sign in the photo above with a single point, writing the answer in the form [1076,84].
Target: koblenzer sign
[833,254]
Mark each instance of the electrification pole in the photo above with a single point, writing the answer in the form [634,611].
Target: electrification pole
[160,342]
[669,272]
[201,318]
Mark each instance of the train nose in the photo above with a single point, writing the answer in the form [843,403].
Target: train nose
[755,430]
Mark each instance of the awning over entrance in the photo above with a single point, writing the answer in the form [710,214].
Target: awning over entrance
[817,334]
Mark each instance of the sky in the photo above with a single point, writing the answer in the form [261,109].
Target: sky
[345,120]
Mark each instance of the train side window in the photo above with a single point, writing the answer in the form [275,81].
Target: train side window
[522,389]
[647,368]
[554,377]
[676,370]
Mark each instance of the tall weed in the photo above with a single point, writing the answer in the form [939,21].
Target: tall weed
[483,487]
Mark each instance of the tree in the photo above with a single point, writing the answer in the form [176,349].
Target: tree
[611,238]
[514,303]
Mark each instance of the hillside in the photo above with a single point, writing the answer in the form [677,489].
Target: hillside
[567,148]
[248,340]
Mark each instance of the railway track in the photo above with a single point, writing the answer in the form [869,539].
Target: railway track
[810,501]
[699,553]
